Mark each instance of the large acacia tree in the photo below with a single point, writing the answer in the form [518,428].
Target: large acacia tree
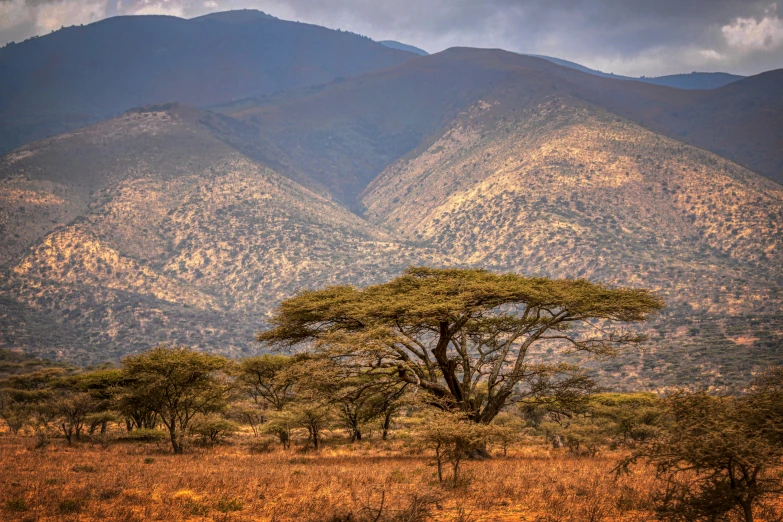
[465,336]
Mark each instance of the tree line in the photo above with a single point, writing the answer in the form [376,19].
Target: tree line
[461,350]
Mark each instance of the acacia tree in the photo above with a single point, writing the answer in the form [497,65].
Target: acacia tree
[103,386]
[448,436]
[73,408]
[358,396]
[179,383]
[464,336]
[267,378]
[27,399]
[717,454]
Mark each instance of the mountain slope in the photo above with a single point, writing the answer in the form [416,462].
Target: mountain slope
[567,190]
[694,80]
[171,235]
[742,121]
[175,224]
[79,75]
[403,47]
[343,134]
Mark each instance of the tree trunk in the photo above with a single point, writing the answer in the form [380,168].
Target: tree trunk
[386,425]
[176,443]
[68,432]
[439,458]
[747,510]
[284,438]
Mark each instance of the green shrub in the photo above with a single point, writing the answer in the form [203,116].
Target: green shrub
[213,428]
[196,509]
[262,446]
[144,435]
[226,505]
[84,468]
[70,505]
[17,504]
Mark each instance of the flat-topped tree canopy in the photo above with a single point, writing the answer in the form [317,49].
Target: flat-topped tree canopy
[464,335]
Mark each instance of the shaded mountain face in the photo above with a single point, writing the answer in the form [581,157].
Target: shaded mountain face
[342,135]
[403,47]
[79,75]
[176,224]
[694,80]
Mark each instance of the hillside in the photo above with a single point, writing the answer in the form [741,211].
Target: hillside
[564,189]
[80,75]
[171,223]
[691,81]
[171,235]
[342,135]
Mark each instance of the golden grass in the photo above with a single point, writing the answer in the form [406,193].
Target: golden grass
[132,482]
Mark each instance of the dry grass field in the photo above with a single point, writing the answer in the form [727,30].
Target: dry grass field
[385,481]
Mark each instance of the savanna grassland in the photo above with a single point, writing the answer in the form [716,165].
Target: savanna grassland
[373,480]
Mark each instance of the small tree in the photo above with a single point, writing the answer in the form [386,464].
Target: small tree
[358,395]
[137,404]
[104,387]
[267,379]
[451,437]
[179,383]
[213,428]
[248,414]
[14,408]
[507,429]
[313,415]
[280,424]
[716,455]
[27,399]
[73,408]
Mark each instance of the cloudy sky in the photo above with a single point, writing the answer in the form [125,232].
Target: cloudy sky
[631,37]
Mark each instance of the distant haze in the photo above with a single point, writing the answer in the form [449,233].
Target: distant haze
[627,37]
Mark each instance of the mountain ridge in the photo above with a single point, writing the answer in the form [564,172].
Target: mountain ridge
[80,75]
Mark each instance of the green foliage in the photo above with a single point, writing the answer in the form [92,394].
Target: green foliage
[179,383]
[145,435]
[16,504]
[464,335]
[70,506]
[357,395]
[266,378]
[718,454]
[213,428]
[227,505]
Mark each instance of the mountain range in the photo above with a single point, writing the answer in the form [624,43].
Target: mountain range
[83,74]
[173,223]
[694,80]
